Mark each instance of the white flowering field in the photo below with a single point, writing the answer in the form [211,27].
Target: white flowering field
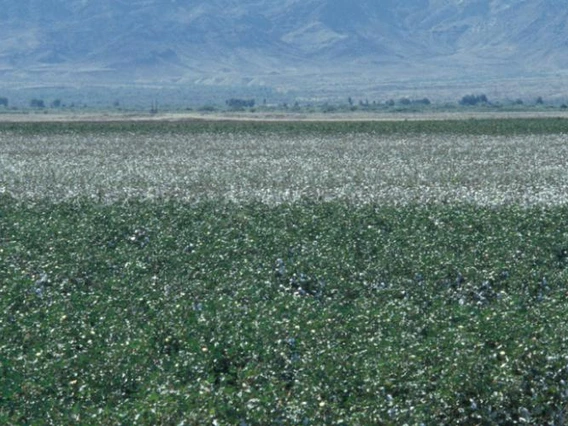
[256,273]
[359,163]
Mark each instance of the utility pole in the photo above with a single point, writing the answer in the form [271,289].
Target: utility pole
[154,108]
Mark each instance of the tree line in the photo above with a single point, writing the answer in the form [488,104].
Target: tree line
[34,103]
[241,104]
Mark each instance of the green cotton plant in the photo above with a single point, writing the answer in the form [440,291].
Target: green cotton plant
[169,312]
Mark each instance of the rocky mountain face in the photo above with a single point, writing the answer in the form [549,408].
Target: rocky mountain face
[292,42]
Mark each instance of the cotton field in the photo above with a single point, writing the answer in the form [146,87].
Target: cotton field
[284,273]
[276,167]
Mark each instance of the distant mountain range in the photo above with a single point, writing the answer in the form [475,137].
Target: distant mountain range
[288,43]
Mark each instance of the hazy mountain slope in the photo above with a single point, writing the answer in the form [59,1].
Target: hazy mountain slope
[163,40]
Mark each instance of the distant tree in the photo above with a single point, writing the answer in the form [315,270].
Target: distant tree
[56,103]
[469,100]
[563,106]
[235,103]
[404,101]
[37,103]
[389,103]
[4,102]
[519,101]
[539,101]
[350,101]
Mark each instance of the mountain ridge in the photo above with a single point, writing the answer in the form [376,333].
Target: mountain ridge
[287,42]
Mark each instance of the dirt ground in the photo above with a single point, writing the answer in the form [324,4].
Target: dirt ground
[280,116]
